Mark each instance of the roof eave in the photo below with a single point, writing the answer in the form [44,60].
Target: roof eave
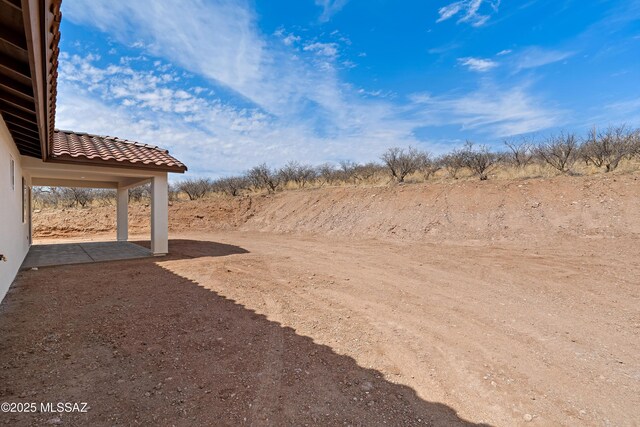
[41,24]
[116,164]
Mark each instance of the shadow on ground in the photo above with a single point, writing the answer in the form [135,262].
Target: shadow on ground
[186,248]
[145,346]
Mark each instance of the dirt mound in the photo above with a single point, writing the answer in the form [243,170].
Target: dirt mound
[601,205]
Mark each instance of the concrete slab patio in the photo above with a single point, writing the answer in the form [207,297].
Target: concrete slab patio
[82,252]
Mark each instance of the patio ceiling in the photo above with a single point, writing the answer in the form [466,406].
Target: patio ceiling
[29,35]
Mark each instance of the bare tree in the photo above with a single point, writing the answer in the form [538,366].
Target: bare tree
[402,163]
[77,196]
[345,172]
[480,160]
[454,162]
[173,192]
[261,177]
[560,151]
[366,172]
[520,152]
[195,188]
[45,197]
[297,173]
[608,147]
[231,186]
[326,174]
[289,172]
[636,143]
[140,192]
[104,196]
[429,165]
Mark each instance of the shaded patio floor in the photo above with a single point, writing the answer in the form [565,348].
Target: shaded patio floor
[82,252]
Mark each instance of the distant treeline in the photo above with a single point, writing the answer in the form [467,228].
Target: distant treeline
[603,150]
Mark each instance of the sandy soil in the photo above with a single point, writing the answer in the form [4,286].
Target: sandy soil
[265,329]
[500,303]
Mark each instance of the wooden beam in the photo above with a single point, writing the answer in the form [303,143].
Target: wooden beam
[26,141]
[8,109]
[29,154]
[26,147]
[14,68]
[23,132]
[17,88]
[17,101]
[19,121]
[26,131]
[14,38]
[16,4]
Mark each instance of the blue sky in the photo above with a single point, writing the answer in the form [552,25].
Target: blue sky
[228,84]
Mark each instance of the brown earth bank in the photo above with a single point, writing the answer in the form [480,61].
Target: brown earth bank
[502,303]
[600,205]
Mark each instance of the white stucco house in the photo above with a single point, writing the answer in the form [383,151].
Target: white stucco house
[34,153]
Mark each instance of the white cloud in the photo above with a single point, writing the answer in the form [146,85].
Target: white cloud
[211,136]
[504,52]
[326,49]
[534,57]
[330,8]
[220,41]
[292,105]
[616,113]
[478,64]
[288,39]
[217,39]
[469,11]
[493,110]
[291,39]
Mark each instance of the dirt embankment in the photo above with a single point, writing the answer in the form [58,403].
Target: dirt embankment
[601,205]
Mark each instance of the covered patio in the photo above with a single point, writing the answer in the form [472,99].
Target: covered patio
[84,160]
[34,152]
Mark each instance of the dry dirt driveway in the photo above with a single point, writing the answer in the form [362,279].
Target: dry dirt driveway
[252,328]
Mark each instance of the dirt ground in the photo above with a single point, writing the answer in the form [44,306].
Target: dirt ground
[254,328]
[502,303]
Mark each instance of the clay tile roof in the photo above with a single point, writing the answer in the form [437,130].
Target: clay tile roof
[111,151]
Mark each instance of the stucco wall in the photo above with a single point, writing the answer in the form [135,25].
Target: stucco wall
[14,234]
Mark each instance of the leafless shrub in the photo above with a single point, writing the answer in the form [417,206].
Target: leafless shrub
[479,159]
[326,174]
[607,148]
[173,192]
[520,153]
[231,186]
[137,194]
[346,171]
[454,162]
[402,163]
[195,188]
[366,172]
[297,173]
[76,196]
[263,178]
[104,196]
[43,197]
[636,143]
[429,165]
[560,151]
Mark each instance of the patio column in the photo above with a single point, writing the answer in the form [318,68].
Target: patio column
[159,215]
[122,207]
